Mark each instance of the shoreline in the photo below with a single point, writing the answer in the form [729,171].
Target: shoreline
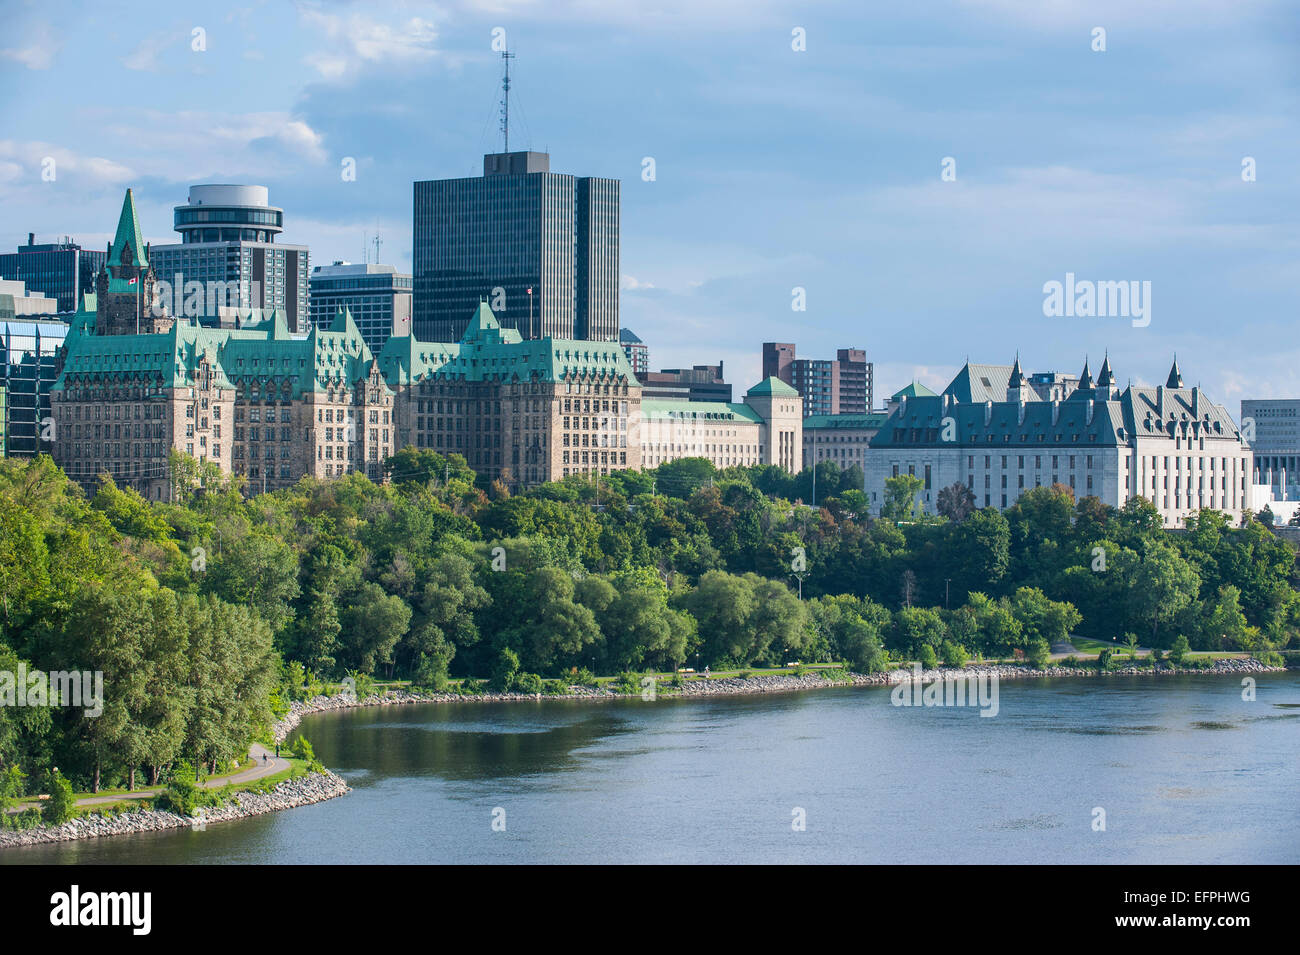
[318,787]
[735,686]
[289,794]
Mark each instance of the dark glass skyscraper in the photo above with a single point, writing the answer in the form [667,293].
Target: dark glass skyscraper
[541,248]
[61,270]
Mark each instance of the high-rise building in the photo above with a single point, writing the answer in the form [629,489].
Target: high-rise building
[844,385]
[638,355]
[700,383]
[28,367]
[541,248]
[228,261]
[1272,427]
[378,296]
[61,270]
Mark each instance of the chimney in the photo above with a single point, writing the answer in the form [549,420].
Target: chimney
[1056,412]
[988,413]
[31,238]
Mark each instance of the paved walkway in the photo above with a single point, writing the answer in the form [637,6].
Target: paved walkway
[273,764]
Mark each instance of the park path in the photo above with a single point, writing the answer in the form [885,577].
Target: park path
[268,764]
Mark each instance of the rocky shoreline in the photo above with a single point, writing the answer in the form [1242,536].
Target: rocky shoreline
[731,686]
[299,791]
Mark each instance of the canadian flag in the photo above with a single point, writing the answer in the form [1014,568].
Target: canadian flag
[132,282]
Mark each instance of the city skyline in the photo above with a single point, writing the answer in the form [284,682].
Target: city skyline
[775,168]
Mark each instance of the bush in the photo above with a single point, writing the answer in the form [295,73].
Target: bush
[471,687]
[1104,658]
[555,687]
[581,676]
[62,805]
[835,674]
[504,671]
[744,675]
[1178,652]
[181,794]
[628,682]
[1039,654]
[927,657]
[954,654]
[1270,659]
[528,683]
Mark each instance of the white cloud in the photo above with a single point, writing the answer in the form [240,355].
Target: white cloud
[41,48]
[29,158]
[355,40]
[631,283]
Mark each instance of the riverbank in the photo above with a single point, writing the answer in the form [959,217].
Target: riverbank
[298,791]
[732,686]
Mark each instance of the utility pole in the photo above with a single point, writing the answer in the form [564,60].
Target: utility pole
[946,582]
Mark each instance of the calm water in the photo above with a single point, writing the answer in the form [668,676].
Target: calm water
[1185,769]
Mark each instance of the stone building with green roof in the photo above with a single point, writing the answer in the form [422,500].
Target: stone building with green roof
[521,411]
[135,382]
[765,428]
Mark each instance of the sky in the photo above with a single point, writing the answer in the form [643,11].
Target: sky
[920,171]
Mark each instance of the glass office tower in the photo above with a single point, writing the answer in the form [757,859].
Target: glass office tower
[61,270]
[541,248]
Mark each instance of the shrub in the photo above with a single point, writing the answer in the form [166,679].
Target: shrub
[954,654]
[628,682]
[181,794]
[581,676]
[927,657]
[471,687]
[1178,652]
[744,675]
[555,687]
[1039,653]
[1270,658]
[1104,658]
[504,670]
[528,683]
[62,805]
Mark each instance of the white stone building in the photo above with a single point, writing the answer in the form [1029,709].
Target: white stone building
[1169,444]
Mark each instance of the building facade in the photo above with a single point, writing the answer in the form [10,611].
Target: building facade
[257,401]
[60,270]
[845,385]
[541,248]
[377,296]
[1272,426]
[766,428]
[1170,444]
[638,355]
[28,359]
[228,261]
[522,411]
[700,383]
[842,438]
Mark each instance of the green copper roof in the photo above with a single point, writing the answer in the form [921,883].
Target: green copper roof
[773,386]
[914,390]
[262,356]
[658,409]
[128,233]
[869,421]
[488,352]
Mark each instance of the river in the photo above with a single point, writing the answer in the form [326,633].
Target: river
[1185,770]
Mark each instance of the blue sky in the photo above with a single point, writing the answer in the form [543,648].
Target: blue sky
[775,168]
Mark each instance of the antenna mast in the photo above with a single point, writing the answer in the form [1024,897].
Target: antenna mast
[506,56]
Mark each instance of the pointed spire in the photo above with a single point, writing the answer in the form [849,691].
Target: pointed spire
[128,241]
[1105,377]
[1017,376]
[1085,376]
[1175,375]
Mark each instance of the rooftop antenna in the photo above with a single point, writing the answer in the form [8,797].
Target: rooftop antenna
[506,57]
[378,243]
